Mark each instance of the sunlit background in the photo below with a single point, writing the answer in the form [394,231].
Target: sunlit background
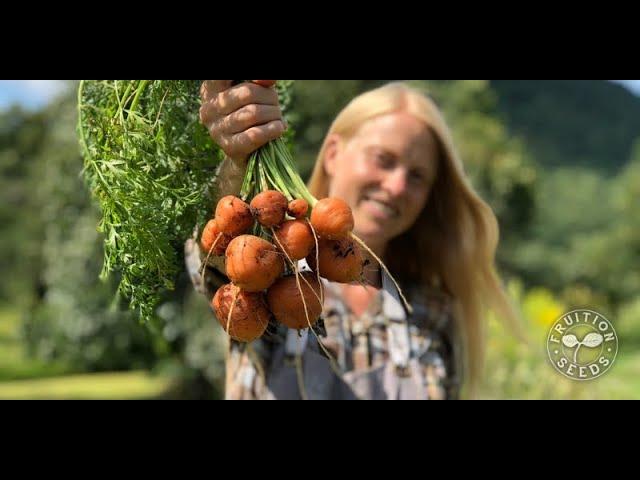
[34,94]
[558,160]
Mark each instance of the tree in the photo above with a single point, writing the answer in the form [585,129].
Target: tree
[74,316]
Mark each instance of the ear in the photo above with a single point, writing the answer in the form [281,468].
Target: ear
[332,149]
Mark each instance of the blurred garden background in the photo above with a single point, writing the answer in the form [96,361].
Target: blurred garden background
[559,161]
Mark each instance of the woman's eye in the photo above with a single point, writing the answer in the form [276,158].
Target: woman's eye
[417,178]
[383,160]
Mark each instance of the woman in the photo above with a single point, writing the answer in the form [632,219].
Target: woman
[389,154]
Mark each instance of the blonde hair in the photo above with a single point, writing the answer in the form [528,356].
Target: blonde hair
[457,232]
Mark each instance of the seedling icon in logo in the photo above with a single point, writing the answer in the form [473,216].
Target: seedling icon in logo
[592,340]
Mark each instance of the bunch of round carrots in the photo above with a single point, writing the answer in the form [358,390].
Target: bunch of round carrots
[264,233]
[262,243]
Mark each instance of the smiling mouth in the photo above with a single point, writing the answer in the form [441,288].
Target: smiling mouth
[385,207]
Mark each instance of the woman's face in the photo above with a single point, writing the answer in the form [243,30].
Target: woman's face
[385,173]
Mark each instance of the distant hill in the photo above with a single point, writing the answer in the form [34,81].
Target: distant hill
[591,123]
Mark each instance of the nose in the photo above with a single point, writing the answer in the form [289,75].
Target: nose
[396,182]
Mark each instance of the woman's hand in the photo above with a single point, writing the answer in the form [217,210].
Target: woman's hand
[241,118]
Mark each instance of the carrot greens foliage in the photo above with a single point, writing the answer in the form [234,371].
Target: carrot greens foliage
[149,164]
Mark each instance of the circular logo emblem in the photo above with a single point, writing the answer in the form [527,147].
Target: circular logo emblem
[582,345]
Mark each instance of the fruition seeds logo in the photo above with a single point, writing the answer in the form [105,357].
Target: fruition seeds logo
[582,345]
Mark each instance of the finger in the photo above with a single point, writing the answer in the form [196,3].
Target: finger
[237,97]
[211,88]
[208,113]
[249,141]
[240,120]
[251,116]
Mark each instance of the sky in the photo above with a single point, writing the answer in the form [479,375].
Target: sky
[31,94]
[633,85]
[34,94]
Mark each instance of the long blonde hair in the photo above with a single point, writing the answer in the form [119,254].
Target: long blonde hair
[457,232]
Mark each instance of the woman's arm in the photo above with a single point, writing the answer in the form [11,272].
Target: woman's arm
[228,179]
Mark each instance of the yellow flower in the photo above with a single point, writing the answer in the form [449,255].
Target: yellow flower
[541,307]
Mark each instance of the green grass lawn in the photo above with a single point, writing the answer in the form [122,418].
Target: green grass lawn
[14,363]
[23,378]
[96,386]
[622,382]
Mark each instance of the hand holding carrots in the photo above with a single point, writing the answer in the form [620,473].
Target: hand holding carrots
[274,224]
[241,118]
